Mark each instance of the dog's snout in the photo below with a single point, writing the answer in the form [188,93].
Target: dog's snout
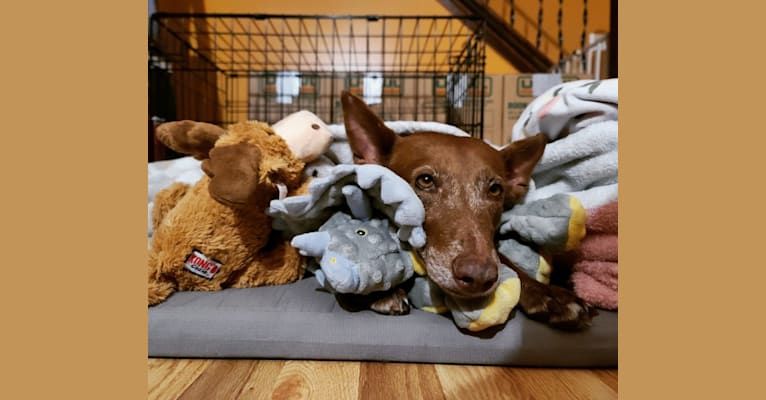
[473,275]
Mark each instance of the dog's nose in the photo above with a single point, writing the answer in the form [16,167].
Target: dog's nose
[474,275]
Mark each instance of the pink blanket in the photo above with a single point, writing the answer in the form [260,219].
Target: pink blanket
[594,272]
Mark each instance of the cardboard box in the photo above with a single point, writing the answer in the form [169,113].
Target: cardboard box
[436,106]
[410,107]
[266,103]
[433,109]
[432,103]
[519,90]
[322,107]
[391,104]
[411,87]
[492,94]
[397,100]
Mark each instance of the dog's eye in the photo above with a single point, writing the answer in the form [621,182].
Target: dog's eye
[425,181]
[361,232]
[496,189]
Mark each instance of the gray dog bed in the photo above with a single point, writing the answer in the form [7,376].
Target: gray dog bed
[299,321]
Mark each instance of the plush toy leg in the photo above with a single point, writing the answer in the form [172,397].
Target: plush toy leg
[159,291]
[533,263]
[165,200]
[426,296]
[159,287]
[276,264]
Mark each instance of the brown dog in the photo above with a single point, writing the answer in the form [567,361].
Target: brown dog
[464,185]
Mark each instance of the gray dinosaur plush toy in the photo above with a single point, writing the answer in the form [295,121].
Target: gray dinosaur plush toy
[356,253]
[355,256]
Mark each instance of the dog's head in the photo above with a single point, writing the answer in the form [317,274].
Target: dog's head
[464,185]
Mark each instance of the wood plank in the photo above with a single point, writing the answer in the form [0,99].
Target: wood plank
[558,383]
[317,379]
[588,384]
[384,381]
[462,382]
[168,378]
[222,379]
[260,383]
[429,384]
[522,383]
[608,376]
[541,383]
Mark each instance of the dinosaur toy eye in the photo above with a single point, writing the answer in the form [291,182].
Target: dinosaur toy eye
[425,181]
[361,232]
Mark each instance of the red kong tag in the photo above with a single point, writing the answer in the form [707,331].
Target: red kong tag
[198,264]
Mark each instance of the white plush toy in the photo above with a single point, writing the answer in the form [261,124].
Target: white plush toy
[306,135]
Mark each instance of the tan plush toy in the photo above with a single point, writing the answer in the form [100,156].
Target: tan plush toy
[215,234]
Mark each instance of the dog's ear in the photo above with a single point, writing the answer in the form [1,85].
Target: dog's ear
[189,137]
[370,140]
[520,159]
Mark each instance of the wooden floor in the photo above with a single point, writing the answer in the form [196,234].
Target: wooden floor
[277,379]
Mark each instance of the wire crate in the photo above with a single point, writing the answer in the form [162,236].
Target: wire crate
[225,68]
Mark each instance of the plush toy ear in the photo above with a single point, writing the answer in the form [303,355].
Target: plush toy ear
[370,140]
[233,172]
[189,137]
[520,158]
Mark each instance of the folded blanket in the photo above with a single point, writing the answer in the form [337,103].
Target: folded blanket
[580,120]
[603,219]
[593,290]
[594,271]
[598,247]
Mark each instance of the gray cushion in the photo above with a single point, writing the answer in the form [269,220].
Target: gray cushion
[298,321]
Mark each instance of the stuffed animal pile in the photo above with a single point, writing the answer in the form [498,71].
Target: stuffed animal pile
[360,225]
[216,234]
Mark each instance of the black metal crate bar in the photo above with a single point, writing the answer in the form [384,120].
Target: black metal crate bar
[224,68]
